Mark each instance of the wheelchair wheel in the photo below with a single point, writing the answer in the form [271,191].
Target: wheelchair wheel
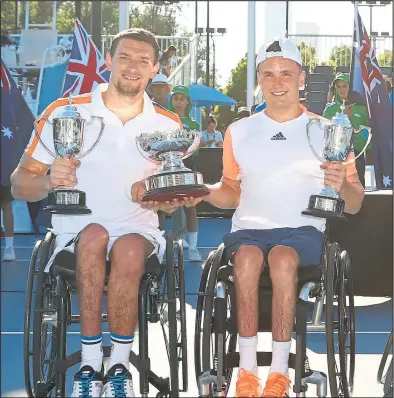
[45,342]
[340,322]
[208,329]
[199,312]
[168,317]
[28,351]
[181,295]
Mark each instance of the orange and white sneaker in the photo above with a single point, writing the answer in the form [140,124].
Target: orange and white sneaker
[248,385]
[277,386]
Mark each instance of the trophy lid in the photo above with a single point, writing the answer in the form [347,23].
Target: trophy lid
[69,111]
[341,118]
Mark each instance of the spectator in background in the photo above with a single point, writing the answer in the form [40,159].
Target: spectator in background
[211,138]
[243,111]
[160,90]
[160,93]
[180,104]
[166,62]
[357,113]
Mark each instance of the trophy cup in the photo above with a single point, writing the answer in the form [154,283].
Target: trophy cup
[173,180]
[337,146]
[68,138]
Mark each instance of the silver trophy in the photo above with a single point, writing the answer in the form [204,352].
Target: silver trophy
[173,180]
[337,146]
[69,130]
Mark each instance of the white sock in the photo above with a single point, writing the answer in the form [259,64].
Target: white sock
[92,352]
[280,357]
[9,241]
[192,240]
[248,353]
[120,350]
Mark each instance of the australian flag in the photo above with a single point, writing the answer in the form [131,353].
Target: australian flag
[86,68]
[16,125]
[366,79]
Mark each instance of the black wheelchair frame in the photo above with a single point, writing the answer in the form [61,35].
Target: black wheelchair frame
[161,288]
[216,324]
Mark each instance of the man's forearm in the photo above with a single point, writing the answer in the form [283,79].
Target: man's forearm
[29,186]
[353,195]
[222,196]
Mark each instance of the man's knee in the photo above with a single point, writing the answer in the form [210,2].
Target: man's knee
[129,253]
[283,262]
[94,237]
[248,263]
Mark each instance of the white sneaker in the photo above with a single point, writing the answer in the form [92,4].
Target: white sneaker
[194,255]
[87,383]
[9,254]
[118,382]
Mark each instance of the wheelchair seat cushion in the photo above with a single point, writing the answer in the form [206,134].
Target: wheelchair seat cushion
[64,265]
[307,241]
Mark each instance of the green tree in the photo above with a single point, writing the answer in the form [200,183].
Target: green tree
[341,55]
[236,89]
[386,58]
[308,55]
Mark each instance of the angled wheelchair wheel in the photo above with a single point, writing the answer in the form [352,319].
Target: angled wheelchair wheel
[181,316]
[199,315]
[27,349]
[208,352]
[340,326]
[45,342]
[168,314]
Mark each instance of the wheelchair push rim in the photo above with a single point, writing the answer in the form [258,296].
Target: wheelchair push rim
[171,296]
[208,354]
[340,322]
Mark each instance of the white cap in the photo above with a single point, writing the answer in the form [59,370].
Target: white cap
[159,78]
[289,50]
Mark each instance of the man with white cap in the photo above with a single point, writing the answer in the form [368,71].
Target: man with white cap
[269,173]
[160,89]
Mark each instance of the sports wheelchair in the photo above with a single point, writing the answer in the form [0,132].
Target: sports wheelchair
[216,324]
[161,299]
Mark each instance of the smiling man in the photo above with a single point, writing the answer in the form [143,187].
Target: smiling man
[118,229]
[269,173]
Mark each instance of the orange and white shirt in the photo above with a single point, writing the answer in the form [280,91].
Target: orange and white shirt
[108,172]
[277,170]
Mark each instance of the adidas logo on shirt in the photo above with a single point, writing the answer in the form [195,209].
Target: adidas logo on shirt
[278,136]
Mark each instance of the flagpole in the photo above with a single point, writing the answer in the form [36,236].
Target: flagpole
[251,67]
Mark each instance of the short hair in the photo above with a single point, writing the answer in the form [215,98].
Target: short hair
[212,120]
[137,34]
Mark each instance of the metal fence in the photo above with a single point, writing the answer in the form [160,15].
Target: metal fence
[318,49]
[181,43]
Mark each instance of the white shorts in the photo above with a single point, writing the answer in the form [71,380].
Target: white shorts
[65,242]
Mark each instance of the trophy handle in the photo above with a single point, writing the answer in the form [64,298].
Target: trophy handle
[362,127]
[92,118]
[310,122]
[36,121]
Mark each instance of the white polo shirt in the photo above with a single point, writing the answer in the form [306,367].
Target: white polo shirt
[277,170]
[108,172]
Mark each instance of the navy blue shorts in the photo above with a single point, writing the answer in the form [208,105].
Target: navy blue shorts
[306,241]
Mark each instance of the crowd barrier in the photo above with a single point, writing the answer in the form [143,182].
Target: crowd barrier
[367,235]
